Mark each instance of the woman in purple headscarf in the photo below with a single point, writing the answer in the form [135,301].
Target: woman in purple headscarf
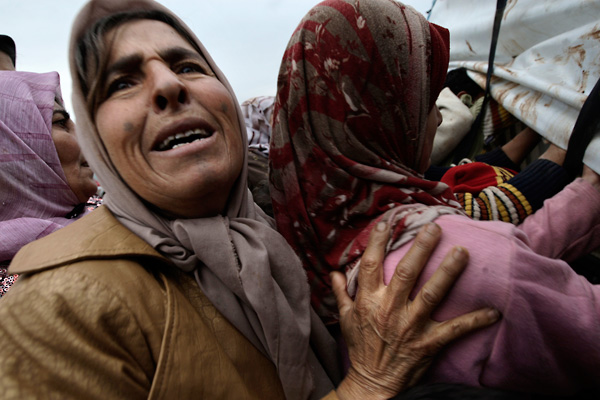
[44,178]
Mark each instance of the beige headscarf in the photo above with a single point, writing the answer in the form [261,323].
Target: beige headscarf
[240,262]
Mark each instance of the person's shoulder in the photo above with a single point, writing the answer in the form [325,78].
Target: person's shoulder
[101,278]
[94,255]
[110,293]
[99,309]
[95,237]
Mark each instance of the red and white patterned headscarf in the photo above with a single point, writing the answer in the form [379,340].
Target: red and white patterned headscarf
[356,85]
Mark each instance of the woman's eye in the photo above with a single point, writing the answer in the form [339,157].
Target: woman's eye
[117,85]
[63,122]
[190,69]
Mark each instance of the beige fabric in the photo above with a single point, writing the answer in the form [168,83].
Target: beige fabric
[455,125]
[113,320]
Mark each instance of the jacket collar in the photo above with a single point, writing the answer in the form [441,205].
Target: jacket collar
[96,235]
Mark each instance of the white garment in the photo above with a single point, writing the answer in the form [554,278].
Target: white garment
[457,120]
[258,112]
[547,58]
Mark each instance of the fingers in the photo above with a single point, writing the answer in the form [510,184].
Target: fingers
[410,266]
[455,328]
[338,284]
[436,288]
[370,275]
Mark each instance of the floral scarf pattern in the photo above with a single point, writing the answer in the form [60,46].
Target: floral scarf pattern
[357,82]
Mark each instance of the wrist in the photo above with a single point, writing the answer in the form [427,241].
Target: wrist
[355,386]
[591,177]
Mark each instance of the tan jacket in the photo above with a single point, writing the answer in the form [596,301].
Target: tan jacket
[107,317]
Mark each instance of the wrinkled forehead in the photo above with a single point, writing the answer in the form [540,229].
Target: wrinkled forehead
[135,41]
[151,33]
[126,37]
[98,10]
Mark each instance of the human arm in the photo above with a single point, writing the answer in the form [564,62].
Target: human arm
[65,335]
[509,198]
[391,339]
[543,178]
[591,176]
[568,225]
[512,154]
[517,198]
[522,144]
[494,158]
[520,196]
[548,313]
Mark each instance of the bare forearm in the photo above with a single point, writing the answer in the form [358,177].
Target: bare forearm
[521,145]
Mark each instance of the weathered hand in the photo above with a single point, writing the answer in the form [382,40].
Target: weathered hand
[392,340]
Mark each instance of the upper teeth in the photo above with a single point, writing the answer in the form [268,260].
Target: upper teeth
[168,143]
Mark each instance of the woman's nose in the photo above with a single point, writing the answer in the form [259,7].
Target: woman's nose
[169,91]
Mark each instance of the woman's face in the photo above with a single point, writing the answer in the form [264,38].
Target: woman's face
[434,119]
[169,125]
[79,175]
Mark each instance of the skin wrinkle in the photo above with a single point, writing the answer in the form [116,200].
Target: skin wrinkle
[144,71]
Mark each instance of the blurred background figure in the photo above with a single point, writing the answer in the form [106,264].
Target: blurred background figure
[8,53]
[45,180]
[258,112]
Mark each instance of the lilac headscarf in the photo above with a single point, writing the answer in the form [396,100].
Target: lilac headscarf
[34,196]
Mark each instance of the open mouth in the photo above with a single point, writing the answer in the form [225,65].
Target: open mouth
[181,139]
